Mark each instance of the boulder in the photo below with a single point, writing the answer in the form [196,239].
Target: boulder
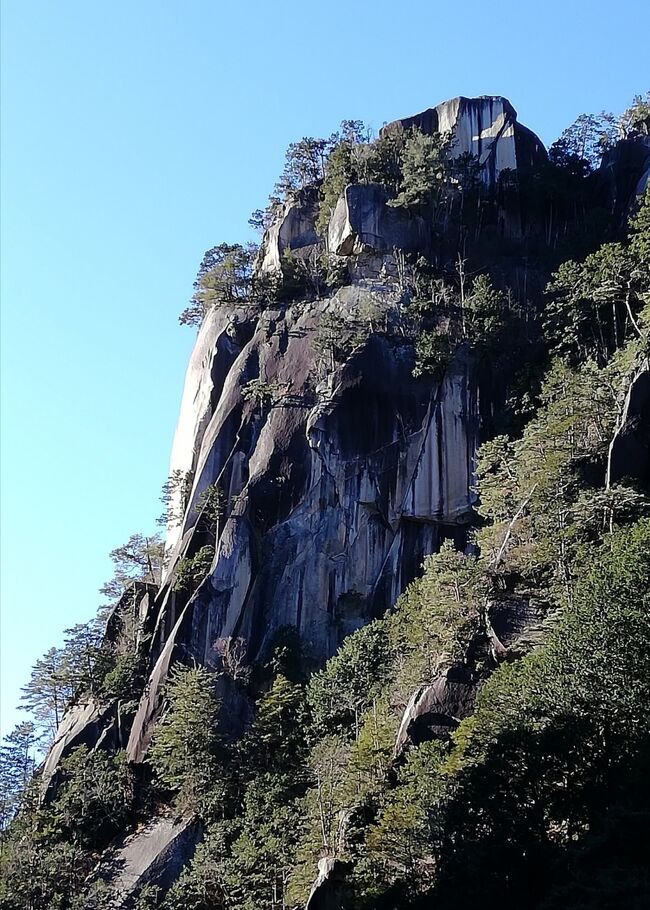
[330,891]
[292,229]
[154,855]
[435,710]
[362,222]
[485,127]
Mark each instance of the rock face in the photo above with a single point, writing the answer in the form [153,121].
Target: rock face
[154,855]
[629,452]
[485,127]
[336,492]
[355,471]
[435,710]
[362,222]
[293,229]
[90,721]
[623,176]
[329,891]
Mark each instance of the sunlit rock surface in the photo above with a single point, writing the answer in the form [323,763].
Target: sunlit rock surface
[362,221]
[485,127]
[154,855]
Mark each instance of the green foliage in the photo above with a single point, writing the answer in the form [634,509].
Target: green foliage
[77,668]
[17,764]
[588,137]
[635,121]
[121,682]
[424,171]
[190,571]
[433,354]
[341,692]
[275,739]
[211,508]
[139,559]
[201,885]
[40,876]
[261,855]
[260,393]
[335,340]
[174,497]
[555,737]
[185,741]
[485,316]
[94,799]
[224,279]
[304,165]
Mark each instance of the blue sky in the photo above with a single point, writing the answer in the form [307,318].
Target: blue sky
[135,136]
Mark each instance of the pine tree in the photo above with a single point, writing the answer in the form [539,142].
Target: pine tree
[183,749]
[17,764]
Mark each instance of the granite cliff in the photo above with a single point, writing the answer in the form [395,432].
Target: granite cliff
[349,468]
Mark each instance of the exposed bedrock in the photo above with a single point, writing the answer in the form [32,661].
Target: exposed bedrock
[363,222]
[293,229]
[623,176]
[629,452]
[485,127]
[154,855]
[335,493]
[330,891]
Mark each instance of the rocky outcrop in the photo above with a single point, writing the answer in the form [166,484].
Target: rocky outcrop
[629,451]
[336,492]
[623,176]
[293,229]
[510,621]
[153,855]
[486,128]
[435,710]
[363,222]
[91,721]
[330,891]
[88,723]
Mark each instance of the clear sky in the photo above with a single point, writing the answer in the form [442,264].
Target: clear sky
[135,135]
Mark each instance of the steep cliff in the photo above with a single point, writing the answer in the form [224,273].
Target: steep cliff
[341,463]
[336,491]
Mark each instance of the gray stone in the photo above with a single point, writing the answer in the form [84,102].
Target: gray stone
[341,490]
[511,619]
[293,229]
[329,891]
[629,451]
[153,855]
[362,222]
[436,709]
[485,127]
[83,724]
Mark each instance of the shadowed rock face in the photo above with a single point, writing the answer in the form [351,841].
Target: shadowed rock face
[336,492]
[629,452]
[330,890]
[623,176]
